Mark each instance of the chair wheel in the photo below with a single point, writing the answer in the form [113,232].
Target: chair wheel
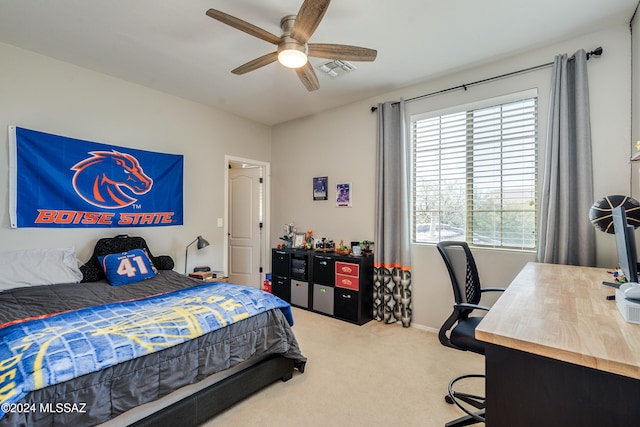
[448,399]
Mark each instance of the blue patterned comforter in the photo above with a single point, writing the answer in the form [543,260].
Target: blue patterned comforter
[36,353]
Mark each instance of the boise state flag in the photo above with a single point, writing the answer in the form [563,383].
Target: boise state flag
[65,182]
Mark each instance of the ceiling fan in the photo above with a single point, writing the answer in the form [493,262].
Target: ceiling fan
[293,50]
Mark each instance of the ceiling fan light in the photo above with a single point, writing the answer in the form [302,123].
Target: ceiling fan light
[292,58]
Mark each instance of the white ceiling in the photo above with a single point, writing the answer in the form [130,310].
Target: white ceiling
[172,46]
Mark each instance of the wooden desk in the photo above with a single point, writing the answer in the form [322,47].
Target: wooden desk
[559,353]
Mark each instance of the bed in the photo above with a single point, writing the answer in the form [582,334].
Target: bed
[166,350]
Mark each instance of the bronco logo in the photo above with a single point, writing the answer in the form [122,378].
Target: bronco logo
[99,179]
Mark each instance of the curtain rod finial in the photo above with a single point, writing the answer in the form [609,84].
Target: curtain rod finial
[597,52]
[373,109]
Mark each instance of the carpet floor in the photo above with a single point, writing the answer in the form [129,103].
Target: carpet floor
[370,375]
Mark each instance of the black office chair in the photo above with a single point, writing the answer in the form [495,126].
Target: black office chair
[458,331]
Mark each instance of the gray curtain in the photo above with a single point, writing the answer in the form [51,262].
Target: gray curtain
[392,259]
[566,233]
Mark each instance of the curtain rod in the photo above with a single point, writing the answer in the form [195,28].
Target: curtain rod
[595,52]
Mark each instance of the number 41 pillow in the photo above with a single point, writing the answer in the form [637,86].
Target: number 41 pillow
[127,267]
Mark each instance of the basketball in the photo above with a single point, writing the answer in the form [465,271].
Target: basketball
[600,212]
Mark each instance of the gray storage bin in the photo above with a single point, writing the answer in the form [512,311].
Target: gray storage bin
[323,299]
[300,293]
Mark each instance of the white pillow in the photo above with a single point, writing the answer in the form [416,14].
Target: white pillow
[38,267]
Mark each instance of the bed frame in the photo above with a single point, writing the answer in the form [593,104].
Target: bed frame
[210,401]
[205,404]
[202,405]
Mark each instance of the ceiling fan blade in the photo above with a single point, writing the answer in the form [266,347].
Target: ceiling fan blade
[244,26]
[256,63]
[341,51]
[308,19]
[308,77]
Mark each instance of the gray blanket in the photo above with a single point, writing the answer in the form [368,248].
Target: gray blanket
[95,398]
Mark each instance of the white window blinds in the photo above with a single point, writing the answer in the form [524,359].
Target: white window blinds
[475,176]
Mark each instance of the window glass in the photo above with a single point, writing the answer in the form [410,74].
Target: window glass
[474,175]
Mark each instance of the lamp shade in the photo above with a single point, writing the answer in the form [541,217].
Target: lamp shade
[291,53]
[202,243]
[292,58]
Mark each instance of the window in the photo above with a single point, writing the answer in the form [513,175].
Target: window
[474,175]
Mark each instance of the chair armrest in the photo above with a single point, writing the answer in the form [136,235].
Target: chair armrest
[467,306]
[493,289]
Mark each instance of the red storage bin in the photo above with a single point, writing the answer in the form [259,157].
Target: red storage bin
[266,286]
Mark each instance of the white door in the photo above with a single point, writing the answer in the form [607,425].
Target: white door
[245,228]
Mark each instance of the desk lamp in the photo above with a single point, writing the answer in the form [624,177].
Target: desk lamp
[202,243]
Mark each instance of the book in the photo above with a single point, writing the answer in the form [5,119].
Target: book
[202,275]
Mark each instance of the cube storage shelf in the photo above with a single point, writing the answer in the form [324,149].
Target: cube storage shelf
[340,286]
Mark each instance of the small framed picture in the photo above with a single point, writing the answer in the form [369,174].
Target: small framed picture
[343,195]
[320,188]
[298,240]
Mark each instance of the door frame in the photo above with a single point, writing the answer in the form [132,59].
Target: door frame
[266,220]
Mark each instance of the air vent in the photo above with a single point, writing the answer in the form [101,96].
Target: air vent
[337,68]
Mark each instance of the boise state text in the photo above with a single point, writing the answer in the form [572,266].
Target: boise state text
[65,217]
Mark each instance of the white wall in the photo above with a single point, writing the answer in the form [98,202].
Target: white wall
[40,93]
[341,144]
[635,103]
